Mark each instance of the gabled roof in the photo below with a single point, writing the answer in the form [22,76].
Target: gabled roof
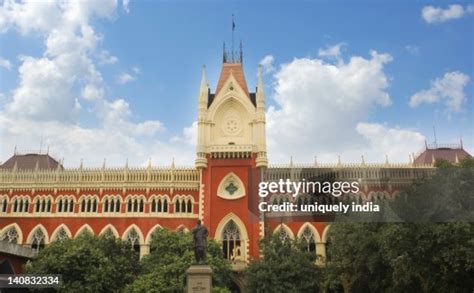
[237,71]
[29,162]
[450,153]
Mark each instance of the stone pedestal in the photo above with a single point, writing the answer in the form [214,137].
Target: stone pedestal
[199,279]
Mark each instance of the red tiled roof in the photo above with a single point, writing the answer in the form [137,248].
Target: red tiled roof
[445,153]
[238,73]
[29,161]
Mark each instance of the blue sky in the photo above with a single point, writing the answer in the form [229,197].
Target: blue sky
[162,45]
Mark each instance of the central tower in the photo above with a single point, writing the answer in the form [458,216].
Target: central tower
[231,151]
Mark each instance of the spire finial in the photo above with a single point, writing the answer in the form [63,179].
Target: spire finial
[203,79]
[103,164]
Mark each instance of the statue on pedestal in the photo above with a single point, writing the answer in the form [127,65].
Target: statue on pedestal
[200,234]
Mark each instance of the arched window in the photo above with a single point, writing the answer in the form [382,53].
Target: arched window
[106,206]
[11,235]
[134,240]
[308,242]
[231,244]
[71,206]
[142,205]
[283,234]
[37,241]
[117,205]
[26,205]
[183,205]
[62,234]
[189,207]
[108,233]
[60,206]
[177,206]
[165,205]
[135,205]
[153,206]
[48,209]
[129,206]
[94,206]
[15,205]
[4,205]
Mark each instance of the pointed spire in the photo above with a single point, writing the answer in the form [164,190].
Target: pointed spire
[410,159]
[260,78]
[80,166]
[15,166]
[149,164]
[172,163]
[339,163]
[203,80]
[291,161]
[315,161]
[103,164]
[126,164]
[460,140]
[37,165]
[14,150]
[260,90]
[363,160]
[386,160]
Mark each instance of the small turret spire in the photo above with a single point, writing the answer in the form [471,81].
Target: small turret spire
[203,87]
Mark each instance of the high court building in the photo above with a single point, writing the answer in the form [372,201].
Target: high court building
[41,201]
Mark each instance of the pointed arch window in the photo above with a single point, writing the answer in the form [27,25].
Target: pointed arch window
[307,240]
[62,234]
[108,233]
[37,241]
[134,240]
[11,235]
[3,205]
[231,241]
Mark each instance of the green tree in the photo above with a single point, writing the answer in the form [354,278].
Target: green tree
[355,261]
[88,263]
[284,267]
[171,254]
[429,257]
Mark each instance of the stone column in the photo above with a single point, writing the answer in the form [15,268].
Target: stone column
[144,250]
[321,253]
[199,279]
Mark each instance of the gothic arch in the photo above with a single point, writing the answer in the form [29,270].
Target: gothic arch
[150,232]
[287,230]
[33,231]
[223,223]
[139,232]
[83,228]
[242,249]
[231,179]
[18,230]
[313,229]
[54,235]
[112,228]
[325,234]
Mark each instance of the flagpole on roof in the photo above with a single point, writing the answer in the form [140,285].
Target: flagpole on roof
[233,28]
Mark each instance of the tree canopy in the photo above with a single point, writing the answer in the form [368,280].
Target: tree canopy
[171,254]
[88,263]
[284,267]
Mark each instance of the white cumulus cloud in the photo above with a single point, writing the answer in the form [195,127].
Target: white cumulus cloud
[449,88]
[320,105]
[57,89]
[433,14]
[267,63]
